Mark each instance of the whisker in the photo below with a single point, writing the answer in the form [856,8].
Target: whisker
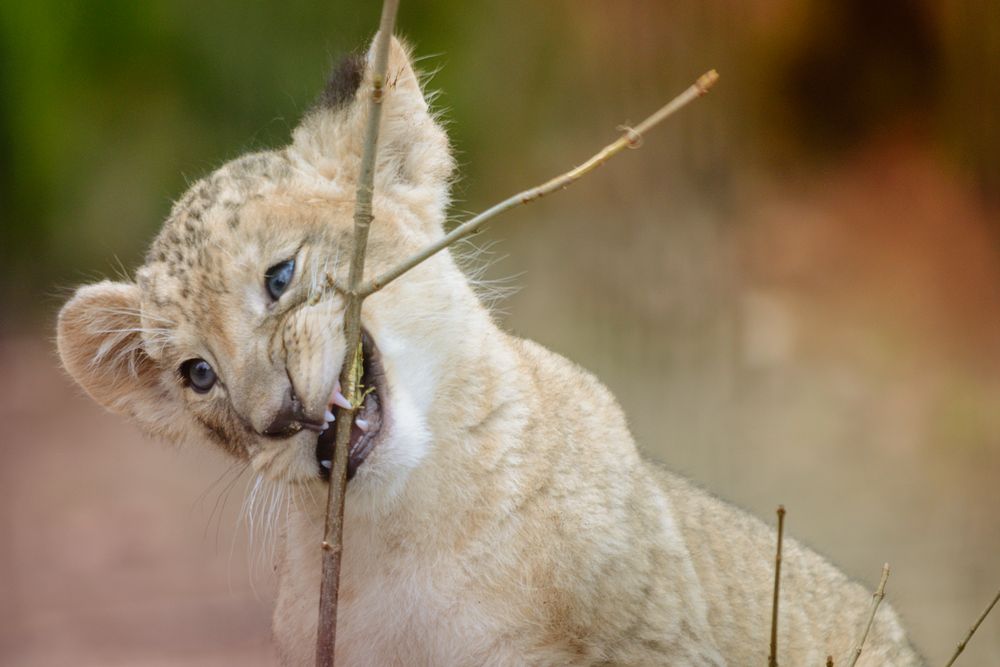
[224,496]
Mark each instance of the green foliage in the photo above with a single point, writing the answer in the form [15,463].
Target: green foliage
[108,110]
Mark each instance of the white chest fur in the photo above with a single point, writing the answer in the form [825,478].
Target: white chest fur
[396,607]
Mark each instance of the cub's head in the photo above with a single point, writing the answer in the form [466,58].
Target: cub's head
[231,331]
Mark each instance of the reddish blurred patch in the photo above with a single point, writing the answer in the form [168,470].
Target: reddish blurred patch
[889,239]
[109,556]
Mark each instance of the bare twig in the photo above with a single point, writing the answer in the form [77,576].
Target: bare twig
[772,660]
[829,661]
[972,630]
[876,601]
[326,635]
[632,138]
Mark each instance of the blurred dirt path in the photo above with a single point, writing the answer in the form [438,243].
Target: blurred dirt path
[108,553]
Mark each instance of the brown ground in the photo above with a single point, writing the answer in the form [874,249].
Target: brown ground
[110,555]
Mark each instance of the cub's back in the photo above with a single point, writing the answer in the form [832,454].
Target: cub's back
[821,611]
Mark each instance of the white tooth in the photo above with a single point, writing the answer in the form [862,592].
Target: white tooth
[326,464]
[340,400]
[329,417]
[362,424]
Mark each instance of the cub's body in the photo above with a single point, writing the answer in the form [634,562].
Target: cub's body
[501,514]
[534,534]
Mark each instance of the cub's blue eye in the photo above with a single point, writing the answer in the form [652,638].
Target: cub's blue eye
[198,374]
[277,278]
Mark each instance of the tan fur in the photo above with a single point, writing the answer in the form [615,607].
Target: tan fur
[506,518]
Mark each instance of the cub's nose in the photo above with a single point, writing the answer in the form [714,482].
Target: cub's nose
[291,418]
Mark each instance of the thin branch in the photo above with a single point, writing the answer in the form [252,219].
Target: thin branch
[876,601]
[772,660]
[972,630]
[326,635]
[632,138]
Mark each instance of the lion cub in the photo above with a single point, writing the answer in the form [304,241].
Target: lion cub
[498,512]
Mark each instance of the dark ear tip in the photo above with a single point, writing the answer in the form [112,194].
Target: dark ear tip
[343,82]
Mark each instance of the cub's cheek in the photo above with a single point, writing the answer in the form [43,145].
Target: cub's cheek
[226,431]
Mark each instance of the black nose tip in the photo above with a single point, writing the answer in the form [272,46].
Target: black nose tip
[290,418]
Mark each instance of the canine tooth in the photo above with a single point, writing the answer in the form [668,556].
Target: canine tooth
[340,400]
[362,424]
[329,417]
[326,464]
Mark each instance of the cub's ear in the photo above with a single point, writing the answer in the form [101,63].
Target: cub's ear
[100,344]
[413,160]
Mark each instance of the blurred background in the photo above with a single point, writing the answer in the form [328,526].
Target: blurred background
[793,287]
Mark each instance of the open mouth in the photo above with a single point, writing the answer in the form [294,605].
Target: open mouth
[368,419]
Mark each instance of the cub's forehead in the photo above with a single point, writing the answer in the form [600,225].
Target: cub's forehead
[212,207]
[212,231]
[228,227]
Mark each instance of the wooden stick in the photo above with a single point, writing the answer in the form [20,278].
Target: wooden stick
[876,601]
[632,138]
[972,630]
[772,660]
[332,545]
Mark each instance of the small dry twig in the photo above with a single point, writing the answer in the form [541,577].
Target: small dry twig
[876,601]
[772,659]
[829,661]
[630,139]
[326,631]
[972,630]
